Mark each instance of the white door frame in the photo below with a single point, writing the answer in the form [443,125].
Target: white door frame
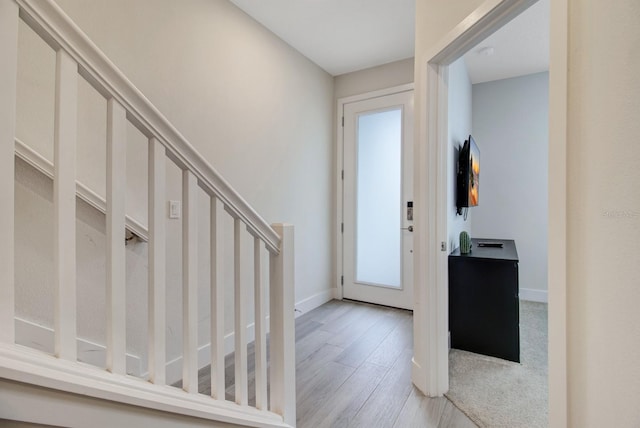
[430,371]
[339,162]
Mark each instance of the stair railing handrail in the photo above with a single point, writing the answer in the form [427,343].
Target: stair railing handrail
[48,20]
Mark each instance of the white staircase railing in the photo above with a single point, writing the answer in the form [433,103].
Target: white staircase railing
[78,58]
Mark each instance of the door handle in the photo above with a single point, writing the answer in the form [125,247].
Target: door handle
[410,228]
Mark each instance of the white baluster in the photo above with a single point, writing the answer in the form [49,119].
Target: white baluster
[260,330]
[64,203]
[157,262]
[8,69]
[116,278]
[282,331]
[190,282]
[217,300]
[240,321]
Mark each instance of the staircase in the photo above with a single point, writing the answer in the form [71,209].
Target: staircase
[30,378]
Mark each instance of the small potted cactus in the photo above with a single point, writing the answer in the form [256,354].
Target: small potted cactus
[465,243]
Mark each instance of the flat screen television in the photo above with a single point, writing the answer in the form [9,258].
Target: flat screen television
[468,177]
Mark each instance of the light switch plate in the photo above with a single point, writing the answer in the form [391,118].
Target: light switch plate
[175,209]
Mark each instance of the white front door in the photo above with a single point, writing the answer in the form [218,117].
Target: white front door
[378,199]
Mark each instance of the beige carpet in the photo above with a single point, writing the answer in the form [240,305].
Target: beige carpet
[503,394]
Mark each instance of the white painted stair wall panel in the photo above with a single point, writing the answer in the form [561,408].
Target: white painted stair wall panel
[8,77]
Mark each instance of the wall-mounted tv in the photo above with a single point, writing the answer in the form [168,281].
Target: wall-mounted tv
[468,177]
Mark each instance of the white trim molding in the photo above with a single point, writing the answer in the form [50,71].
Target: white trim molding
[45,167]
[339,179]
[40,337]
[312,302]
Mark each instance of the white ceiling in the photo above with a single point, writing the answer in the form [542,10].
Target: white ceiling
[520,47]
[348,35]
[340,35]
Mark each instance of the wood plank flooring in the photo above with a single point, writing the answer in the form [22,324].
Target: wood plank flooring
[353,369]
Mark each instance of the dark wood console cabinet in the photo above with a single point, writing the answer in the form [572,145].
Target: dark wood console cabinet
[483,300]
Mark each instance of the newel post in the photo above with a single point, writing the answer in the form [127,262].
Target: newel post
[282,326]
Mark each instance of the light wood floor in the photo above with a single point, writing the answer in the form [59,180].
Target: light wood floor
[353,369]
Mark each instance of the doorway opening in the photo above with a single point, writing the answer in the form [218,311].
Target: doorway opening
[430,362]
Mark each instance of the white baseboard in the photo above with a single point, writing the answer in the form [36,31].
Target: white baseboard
[533,295]
[310,303]
[174,367]
[41,338]
[417,375]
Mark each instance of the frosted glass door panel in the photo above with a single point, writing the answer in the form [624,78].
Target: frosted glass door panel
[378,190]
[377,175]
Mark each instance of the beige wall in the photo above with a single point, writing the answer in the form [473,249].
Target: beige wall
[375,78]
[257,110]
[603,214]
[435,18]
[603,210]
